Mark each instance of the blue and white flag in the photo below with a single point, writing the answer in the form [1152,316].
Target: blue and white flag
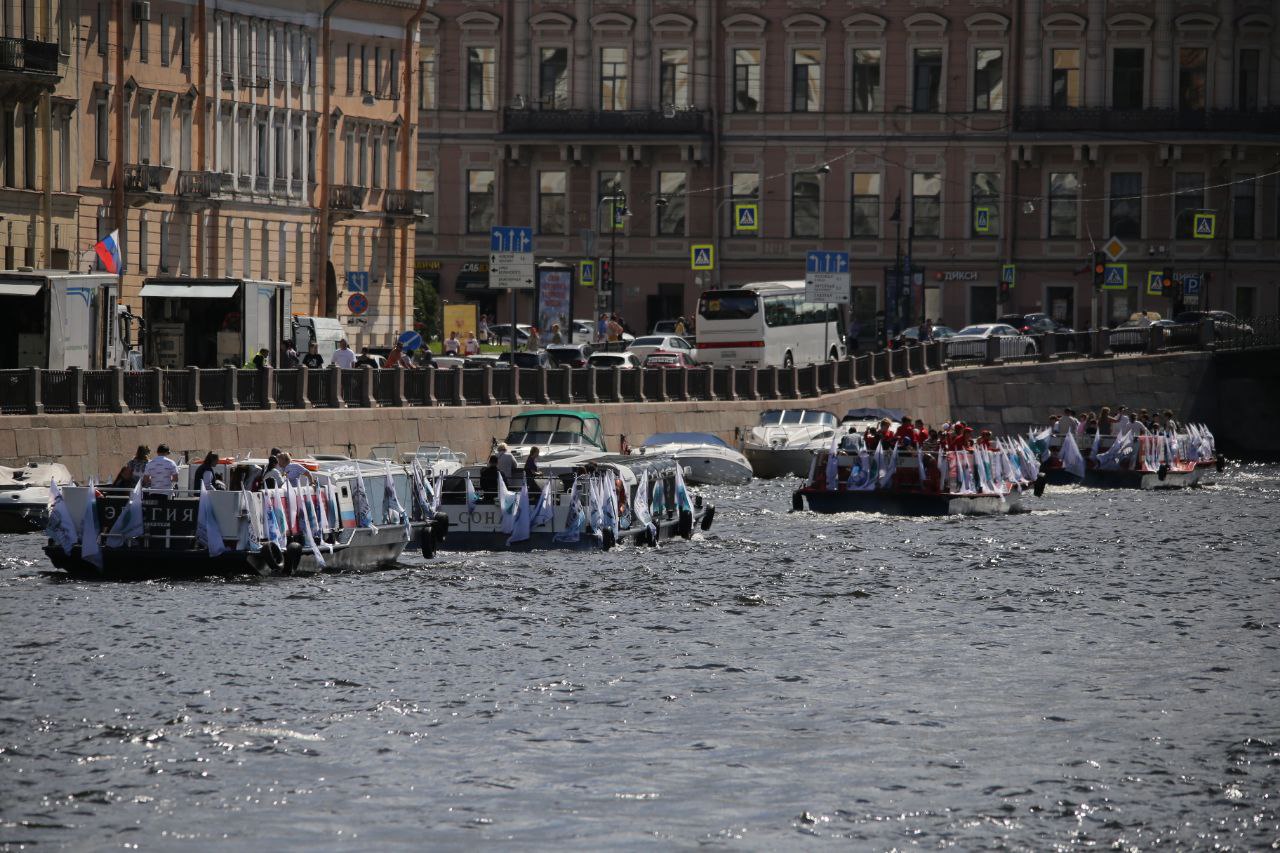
[658,503]
[641,504]
[472,497]
[523,521]
[683,501]
[307,533]
[392,507]
[360,500]
[1097,442]
[506,504]
[62,526]
[1069,455]
[129,524]
[90,547]
[833,464]
[250,523]
[272,519]
[437,492]
[208,533]
[545,511]
[611,503]
[574,520]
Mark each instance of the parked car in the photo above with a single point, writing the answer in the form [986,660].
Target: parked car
[1224,322]
[447,361]
[502,333]
[971,341]
[670,360]
[642,347]
[912,334]
[1132,333]
[481,359]
[527,360]
[609,360]
[666,327]
[1030,324]
[573,355]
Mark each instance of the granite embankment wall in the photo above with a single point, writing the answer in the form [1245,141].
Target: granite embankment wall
[1234,393]
[97,445]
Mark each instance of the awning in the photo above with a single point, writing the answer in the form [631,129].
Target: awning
[472,281]
[191,291]
[20,288]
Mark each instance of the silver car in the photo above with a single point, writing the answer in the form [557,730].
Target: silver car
[971,341]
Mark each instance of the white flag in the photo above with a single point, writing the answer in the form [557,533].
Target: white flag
[1069,454]
[90,547]
[61,527]
[129,524]
[522,522]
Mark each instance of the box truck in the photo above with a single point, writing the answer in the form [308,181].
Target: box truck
[213,322]
[62,319]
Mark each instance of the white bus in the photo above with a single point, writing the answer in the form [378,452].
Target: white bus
[764,323]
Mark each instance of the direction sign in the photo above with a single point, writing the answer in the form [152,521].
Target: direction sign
[510,257]
[587,273]
[358,282]
[1206,224]
[1116,277]
[1191,284]
[702,257]
[357,303]
[410,340]
[826,277]
[746,216]
[1009,274]
[1154,283]
[1114,248]
[982,220]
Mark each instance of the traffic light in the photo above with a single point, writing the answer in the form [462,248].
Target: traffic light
[1099,269]
[1166,283]
[606,273]
[1004,291]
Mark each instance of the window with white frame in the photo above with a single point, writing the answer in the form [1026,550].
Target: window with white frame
[480,196]
[553,78]
[806,197]
[746,80]
[926,204]
[552,207]
[673,76]
[427,77]
[988,80]
[1064,204]
[671,213]
[864,207]
[806,80]
[481,78]
[613,79]
[867,96]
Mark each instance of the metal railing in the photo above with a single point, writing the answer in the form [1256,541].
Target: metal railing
[1145,120]
[143,178]
[36,391]
[604,121]
[193,184]
[28,55]
[346,197]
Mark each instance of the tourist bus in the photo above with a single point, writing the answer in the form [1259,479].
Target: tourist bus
[764,323]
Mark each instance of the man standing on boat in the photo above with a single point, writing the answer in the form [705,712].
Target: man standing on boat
[161,473]
[293,471]
[506,462]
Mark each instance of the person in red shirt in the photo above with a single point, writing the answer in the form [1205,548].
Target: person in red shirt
[922,434]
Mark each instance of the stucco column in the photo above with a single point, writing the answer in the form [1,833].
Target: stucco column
[1032,37]
[704,32]
[1162,57]
[643,94]
[583,58]
[1095,64]
[520,51]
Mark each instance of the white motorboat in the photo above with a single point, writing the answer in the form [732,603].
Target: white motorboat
[436,459]
[784,441]
[24,494]
[706,458]
[562,436]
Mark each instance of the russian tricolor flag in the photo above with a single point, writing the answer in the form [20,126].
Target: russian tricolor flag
[108,249]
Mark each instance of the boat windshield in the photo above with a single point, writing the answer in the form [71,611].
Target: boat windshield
[797,417]
[553,429]
[660,438]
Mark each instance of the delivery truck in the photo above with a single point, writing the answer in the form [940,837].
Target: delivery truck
[213,322]
[61,319]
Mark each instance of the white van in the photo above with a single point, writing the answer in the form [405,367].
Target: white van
[324,331]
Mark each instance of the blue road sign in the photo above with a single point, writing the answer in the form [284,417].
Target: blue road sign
[358,282]
[746,216]
[357,303]
[587,273]
[1009,274]
[1191,284]
[510,238]
[1116,277]
[827,262]
[410,340]
[1206,224]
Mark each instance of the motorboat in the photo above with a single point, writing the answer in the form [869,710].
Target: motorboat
[707,458]
[847,477]
[562,436]
[436,459]
[782,444]
[1131,460]
[24,494]
[859,421]
[608,500]
[349,515]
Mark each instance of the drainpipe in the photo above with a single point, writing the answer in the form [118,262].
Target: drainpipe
[1012,101]
[46,178]
[117,168]
[204,79]
[320,269]
[408,145]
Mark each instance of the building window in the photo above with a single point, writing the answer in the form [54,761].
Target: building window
[746,187]
[144,243]
[983,192]
[1064,92]
[746,80]
[104,21]
[1192,77]
[427,78]
[805,201]
[351,68]
[1243,206]
[926,204]
[674,76]
[806,80]
[553,78]
[1126,205]
[166,135]
[263,150]
[1247,80]
[427,195]
[29,148]
[102,130]
[613,78]
[362,161]
[866,81]
[927,86]
[988,80]
[1064,200]
[144,133]
[671,214]
[552,216]
[481,82]
[1128,73]
[1188,198]
[479,201]
[375,162]
[864,214]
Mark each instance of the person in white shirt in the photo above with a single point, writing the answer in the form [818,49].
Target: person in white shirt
[452,345]
[161,473]
[293,471]
[472,346]
[506,462]
[344,356]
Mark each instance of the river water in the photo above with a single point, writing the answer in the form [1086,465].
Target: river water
[1102,671]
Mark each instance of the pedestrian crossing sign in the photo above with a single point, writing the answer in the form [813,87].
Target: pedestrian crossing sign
[1155,286]
[702,257]
[982,220]
[1009,274]
[1116,277]
[746,216]
[1205,226]
[587,273]
[618,215]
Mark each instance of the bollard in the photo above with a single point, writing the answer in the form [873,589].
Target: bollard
[304,387]
[115,397]
[76,376]
[193,389]
[334,378]
[368,397]
[155,389]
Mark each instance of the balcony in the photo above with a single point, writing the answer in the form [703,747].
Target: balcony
[398,203]
[204,186]
[145,180]
[604,122]
[27,66]
[344,198]
[1146,121]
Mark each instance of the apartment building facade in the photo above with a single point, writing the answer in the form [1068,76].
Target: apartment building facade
[221,141]
[964,136]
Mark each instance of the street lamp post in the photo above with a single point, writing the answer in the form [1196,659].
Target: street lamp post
[615,213]
[1173,256]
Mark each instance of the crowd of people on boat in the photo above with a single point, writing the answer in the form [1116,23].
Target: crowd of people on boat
[159,474]
[909,433]
[1117,423]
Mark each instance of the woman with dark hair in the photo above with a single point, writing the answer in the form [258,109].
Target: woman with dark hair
[206,474]
[131,473]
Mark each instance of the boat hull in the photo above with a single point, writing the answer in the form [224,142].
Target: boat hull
[480,530]
[769,462]
[1144,480]
[911,503]
[712,470]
